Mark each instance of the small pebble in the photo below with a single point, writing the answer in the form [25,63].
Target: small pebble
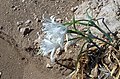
[63,1]
[59,20]
[25,30]
[77,45]
[118,35]
[61,68]
[23,0]
[22,29]
[28,22]
[70,51]
[19,23]
[58,12]
[1,27]
[0,74]
[57,1]
[14,8]
[73,9]
[38,20]
[48,66]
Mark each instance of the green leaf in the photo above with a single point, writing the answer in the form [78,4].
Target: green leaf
[67,24]
[76,32]
[88,14]
[74,22]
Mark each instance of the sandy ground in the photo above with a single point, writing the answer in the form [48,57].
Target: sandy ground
[15,61]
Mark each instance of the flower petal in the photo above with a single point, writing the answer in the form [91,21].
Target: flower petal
[53,38]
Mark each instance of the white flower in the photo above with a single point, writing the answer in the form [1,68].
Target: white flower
[53,38]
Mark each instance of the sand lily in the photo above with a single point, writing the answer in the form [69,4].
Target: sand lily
[53,38]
